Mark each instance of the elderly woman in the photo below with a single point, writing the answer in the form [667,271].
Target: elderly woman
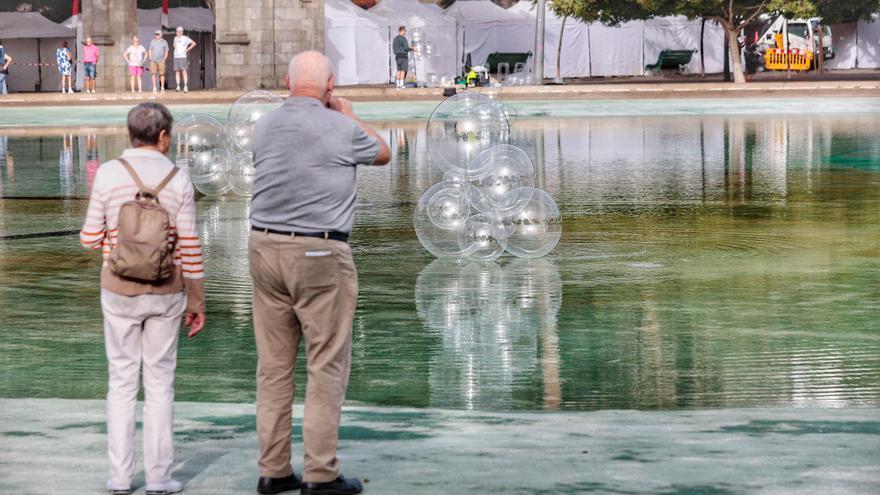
[64,60]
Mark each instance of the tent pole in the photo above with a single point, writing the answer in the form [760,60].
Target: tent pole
[539,42]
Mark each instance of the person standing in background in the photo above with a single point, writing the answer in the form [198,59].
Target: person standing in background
[91,54]
[5,60]
[64,59]
[135,56]
[401,48]
[182,46]
[158,56]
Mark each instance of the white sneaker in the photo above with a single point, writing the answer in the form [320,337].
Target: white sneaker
[185,89]
[70,91]
[170,486]
[155,91]
[178,89]
[115,490]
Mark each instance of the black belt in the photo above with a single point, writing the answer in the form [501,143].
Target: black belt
[335,236]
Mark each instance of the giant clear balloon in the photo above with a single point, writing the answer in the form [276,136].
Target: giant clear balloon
[197,143]
[437,218]
[241,173]
[535,229]
[495,173]
[244,113]
[462,126]
[482,237]
[211,178]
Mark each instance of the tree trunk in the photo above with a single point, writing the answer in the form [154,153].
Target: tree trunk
[726,58]
[820,57]
[559,52]
[702,52]
[738,75]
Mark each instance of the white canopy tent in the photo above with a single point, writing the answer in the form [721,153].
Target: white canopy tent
[679,33]
[575,42]
[617,51]
[439,30]
[485,28]
[356,42]
[869,43]
[31,40]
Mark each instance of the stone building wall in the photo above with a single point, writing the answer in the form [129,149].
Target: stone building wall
[256,39]
[110,23]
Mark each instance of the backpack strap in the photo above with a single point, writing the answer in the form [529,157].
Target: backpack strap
[141,187]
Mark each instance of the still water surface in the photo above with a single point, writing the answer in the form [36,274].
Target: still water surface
[711,259]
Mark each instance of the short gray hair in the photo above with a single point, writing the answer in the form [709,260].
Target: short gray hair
[146,122]
[310,67]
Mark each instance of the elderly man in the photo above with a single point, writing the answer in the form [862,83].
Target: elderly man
[305,282]
[182,46]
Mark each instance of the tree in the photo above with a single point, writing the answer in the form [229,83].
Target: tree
[610,12]
[835,11]
[732,15]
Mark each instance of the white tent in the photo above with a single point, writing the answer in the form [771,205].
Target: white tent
[198,24]
[869,44]
[679,33]
[485,28]
[31,40]
[846,48]
[575,42]
[356,41]
[439,30]
[617,51]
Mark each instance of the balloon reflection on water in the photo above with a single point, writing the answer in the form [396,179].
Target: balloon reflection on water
[490,319]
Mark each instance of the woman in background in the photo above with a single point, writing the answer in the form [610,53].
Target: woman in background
[64,59]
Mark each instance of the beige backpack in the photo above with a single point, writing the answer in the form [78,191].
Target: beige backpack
[142,251]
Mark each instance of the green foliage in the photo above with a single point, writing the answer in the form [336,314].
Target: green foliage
[835,11]
[610,12]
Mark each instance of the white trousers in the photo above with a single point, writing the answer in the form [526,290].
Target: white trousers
[141,330]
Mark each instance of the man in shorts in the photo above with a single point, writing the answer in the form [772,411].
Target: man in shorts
[182,46]
[90,64]
[158,55]
[401,49]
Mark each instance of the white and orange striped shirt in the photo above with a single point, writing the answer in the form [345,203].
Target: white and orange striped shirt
[113,186]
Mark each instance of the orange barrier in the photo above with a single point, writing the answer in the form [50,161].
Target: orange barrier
[776,59]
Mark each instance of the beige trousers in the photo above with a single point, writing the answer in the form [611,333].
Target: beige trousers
[141,331]
[303,288]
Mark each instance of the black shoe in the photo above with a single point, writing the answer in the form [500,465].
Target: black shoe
[339,486]
[278,485]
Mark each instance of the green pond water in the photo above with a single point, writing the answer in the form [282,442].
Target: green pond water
[714,254]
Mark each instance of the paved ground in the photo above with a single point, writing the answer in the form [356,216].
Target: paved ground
[57,446]
[869,86]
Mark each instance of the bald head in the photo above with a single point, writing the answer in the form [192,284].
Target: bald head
[310,74]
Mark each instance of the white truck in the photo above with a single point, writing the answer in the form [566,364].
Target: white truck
[803,34]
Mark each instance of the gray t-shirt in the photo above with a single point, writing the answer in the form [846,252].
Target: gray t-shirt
[158,49]
[306,156]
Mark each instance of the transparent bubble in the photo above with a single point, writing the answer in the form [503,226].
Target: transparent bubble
[210,174]
[429,49]
[448,208]
[462,126]
[535,229]
[419,49]
[241,173]
[495,173]
[437,218]
[482,237]
[196,139]
[417,35]
[244,113]
[513,80]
